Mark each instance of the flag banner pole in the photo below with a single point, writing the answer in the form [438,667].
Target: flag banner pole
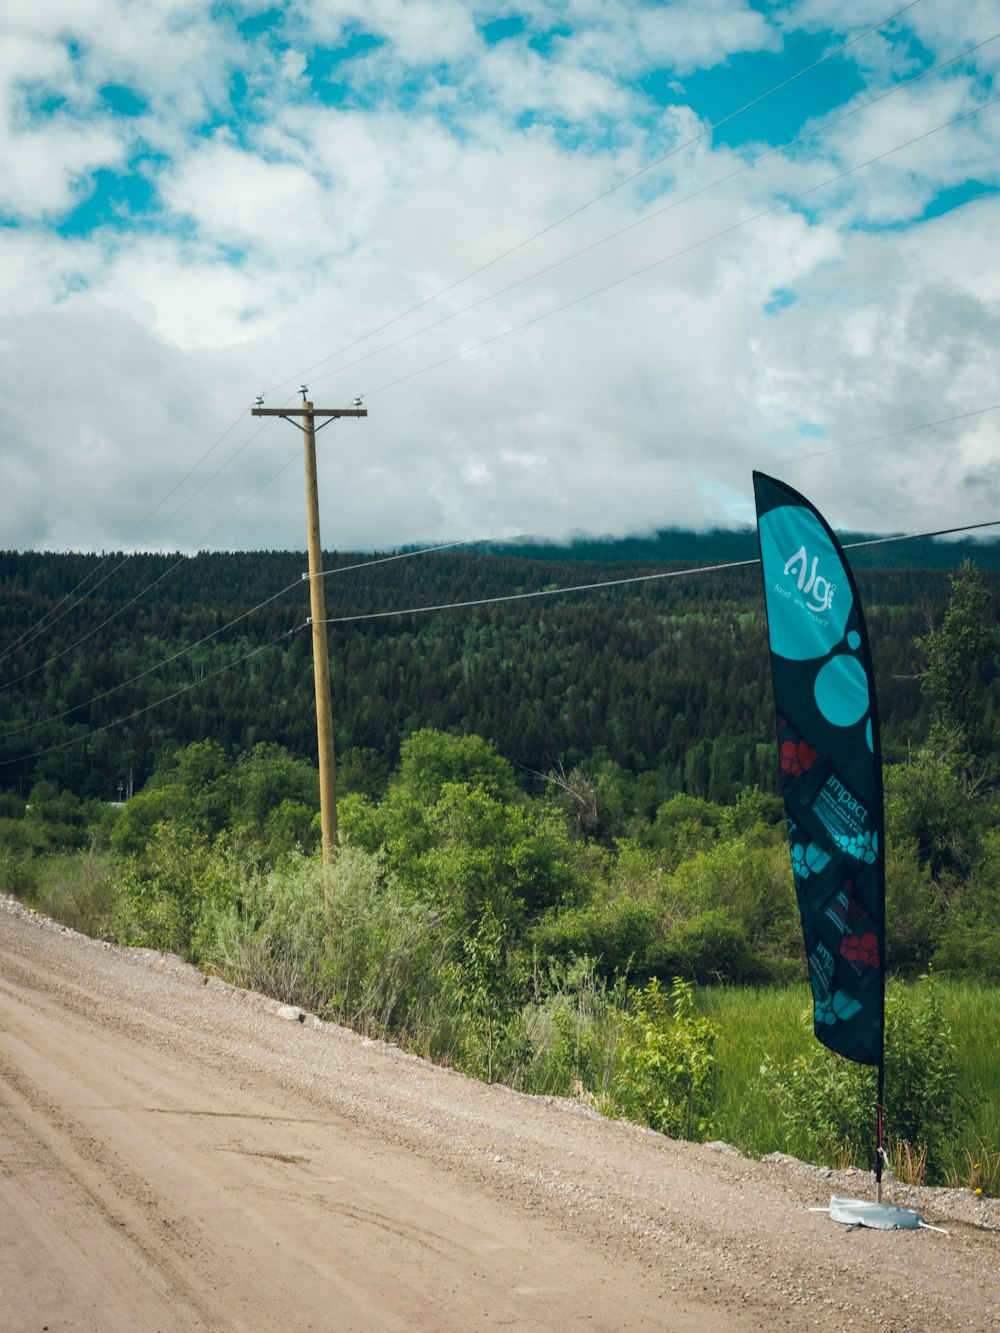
[879,1146]
[830,759]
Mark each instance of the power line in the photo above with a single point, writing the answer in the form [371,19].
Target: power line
[400,555]
[8,684]
[33,633]
[657,213]
[55,717]
[30,635]
[181,652]
[40,627]
[637,578]
[677,254]
[743,222]
[799,459]
[159,579]
[138,712]
[679,490]
[467,542]
[715,125]
[453,606]
[575,212]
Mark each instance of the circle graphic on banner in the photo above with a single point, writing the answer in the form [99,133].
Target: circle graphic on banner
[854,640]
[806,587]
[841,691]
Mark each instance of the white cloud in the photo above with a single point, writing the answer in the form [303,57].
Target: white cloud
[699,34]
[237,198]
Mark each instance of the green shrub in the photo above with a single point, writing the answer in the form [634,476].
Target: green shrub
[616,931]
[18,871]
[709,946]
[574,1027]
[272,938]
[78,889]
[338,940]
[148,917]
[493,1041]
[829,1102]
[666,1068]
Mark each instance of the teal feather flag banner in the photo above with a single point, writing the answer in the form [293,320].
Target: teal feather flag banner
[831,767]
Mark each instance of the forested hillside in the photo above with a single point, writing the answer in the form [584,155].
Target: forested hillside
[667,677]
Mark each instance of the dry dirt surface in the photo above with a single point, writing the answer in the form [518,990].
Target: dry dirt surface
[178,1155]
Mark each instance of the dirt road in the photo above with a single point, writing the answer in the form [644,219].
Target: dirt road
[175,1155]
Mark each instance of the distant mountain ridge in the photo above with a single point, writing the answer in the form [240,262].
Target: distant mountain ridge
[679,545]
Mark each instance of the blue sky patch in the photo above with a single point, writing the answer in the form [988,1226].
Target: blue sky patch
[324,62]
[40,102]
[498,30]
[543,42]
[957,195]
[116,199]
[123,101]
[255,24]
[812,431]
[781,299]
[716,93]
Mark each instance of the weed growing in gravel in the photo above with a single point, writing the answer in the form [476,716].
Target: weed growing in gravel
[978,1170]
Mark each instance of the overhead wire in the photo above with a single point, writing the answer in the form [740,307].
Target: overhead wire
[793,462]
[799,459]
[811,134]
[805,137]
[471,542]
[801,138]
[447,606]
[677,254]
[157,703]
[50,661]
[40,625]
[55,717]
[140,675]
[620,583]
[398,555]
[604,194]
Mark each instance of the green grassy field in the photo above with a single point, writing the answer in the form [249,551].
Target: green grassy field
[754,1023]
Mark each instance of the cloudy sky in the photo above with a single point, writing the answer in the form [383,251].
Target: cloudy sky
[562,247]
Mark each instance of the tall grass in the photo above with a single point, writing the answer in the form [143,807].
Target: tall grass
[753,1023]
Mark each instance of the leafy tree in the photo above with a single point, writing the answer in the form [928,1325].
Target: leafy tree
[486,990]
[960,662]
[430,759]
[928,804]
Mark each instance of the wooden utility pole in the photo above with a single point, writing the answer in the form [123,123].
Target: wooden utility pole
[317,605]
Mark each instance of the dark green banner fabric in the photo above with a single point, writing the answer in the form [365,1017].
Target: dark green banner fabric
[831,766]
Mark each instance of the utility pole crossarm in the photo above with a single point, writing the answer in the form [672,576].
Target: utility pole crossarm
[312,411]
